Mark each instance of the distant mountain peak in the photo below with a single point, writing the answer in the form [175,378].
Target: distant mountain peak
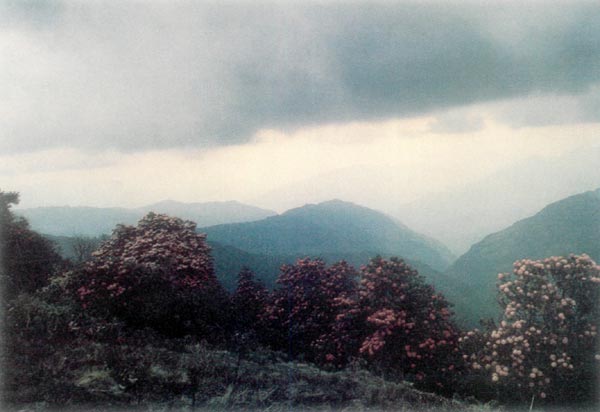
[166,202]
[335,202]
[334,226]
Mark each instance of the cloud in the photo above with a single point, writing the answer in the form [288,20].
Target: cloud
[539,110]
[145,76]
[395,162]
[457,122]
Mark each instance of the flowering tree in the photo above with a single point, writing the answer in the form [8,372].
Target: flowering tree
[398,324]
[158,273]
[410,331]
[302,308]
[546,343]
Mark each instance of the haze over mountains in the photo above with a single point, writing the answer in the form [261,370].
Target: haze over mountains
[94,221]
[462,215]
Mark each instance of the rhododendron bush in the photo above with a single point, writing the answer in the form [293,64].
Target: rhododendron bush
[302,308]
[158,273]
[546,345]
[398,324]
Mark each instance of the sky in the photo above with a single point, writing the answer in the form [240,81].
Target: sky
[279,104]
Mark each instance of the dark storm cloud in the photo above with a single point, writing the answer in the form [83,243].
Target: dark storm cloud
[141,76]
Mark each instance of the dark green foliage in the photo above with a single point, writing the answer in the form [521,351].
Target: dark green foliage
[229,261]
[151,301]
[144,372]
[248,302]
[28,259]
[47,341]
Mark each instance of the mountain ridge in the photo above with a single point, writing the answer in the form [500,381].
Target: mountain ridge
[570,225]
[333,226]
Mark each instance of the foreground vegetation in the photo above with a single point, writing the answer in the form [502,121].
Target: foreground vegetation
[187,376]
[145,323]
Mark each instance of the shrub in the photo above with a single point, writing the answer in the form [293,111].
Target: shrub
[158,274]
[47,341]
[546,343]
[302,308]
[398,324]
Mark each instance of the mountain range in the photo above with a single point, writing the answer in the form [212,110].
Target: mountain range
[333,231]
[337,230]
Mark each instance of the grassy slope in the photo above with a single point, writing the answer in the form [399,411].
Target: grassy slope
[262,381]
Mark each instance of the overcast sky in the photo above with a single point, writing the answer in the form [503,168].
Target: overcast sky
[127,103]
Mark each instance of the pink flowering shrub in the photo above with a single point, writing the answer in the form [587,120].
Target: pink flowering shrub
[302,308]
[410,331]
[339,344]
[546,344]
[398,324]
[158,242]
[158,273]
